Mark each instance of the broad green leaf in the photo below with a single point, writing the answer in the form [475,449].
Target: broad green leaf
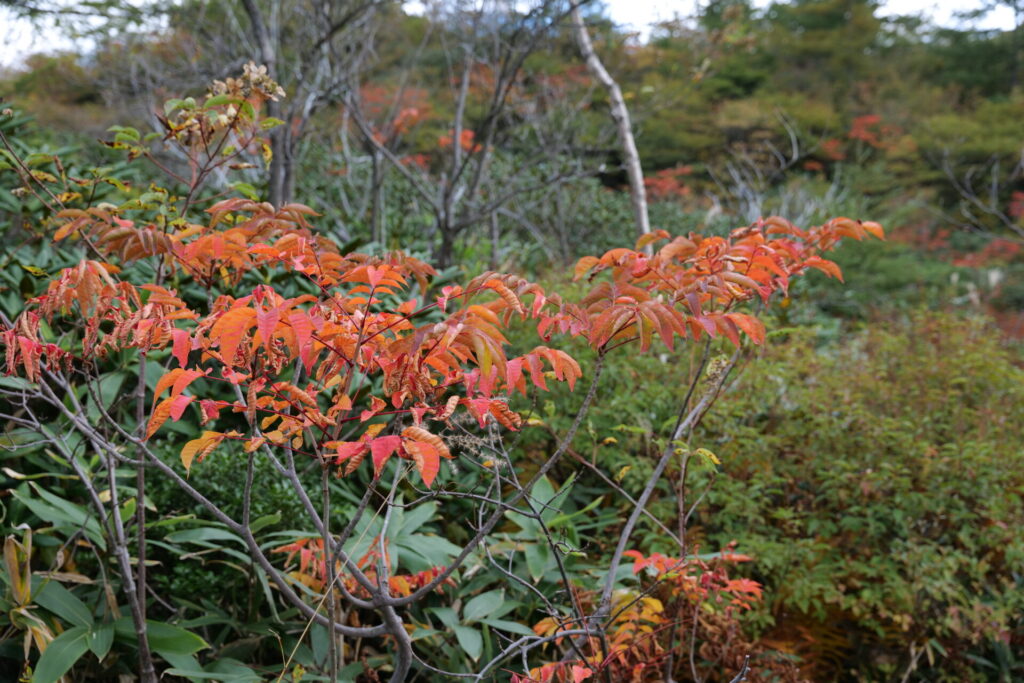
[530,527]
[319,641]
[206,535]
[422,551]
[61,655]
[265,521]
[247,110]
[548,502]
[163,638]
[124,133]
[185,666]
[229,669]
[62,602]
[128,508]
[167,638]
[413,519]
[100,639]
[564,518]
[16,383]
[537,556]
[62,513]
[219,100]
[247,191]
[420,633]
[169,521]
[470,640]
[510,626]
[482,605]
[447,615]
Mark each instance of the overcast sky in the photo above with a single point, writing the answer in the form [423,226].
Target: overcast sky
[638,14]
[19,38]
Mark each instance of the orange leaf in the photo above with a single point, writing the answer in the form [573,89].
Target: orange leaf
[650,237]
[166,381]
[183,380]
[753,327]
[229,330]
[825,266]
[426,458]
[874,228]
[420,434]
[584,265]
[161,412]
[200,448]
[505,416]
[376,405]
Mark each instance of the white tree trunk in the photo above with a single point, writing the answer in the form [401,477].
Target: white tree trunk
[620,114]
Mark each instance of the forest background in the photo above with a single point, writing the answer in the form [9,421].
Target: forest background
[847,509]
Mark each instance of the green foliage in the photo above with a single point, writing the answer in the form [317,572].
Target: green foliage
[891,277]
[879,487]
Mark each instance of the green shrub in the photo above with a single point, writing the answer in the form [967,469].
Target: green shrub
[880,487]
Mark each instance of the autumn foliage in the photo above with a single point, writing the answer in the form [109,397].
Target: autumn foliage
[370,360]
[303,367]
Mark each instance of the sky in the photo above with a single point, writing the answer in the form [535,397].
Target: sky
[638,14]
[19,38]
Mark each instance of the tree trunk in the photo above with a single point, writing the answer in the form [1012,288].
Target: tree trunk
[446,251]
[282,144]
[620,114]
[495,239]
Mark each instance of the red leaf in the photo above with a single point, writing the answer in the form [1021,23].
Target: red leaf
[267,321]
[182,346]
[211,410]
[479,408]
[376,405]
[178,405]
[303,328]
[582,673]
[381,449]
[514,373]
[348,449]
[729,329]
[536,371]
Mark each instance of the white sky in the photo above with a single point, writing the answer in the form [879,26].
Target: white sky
[20,38]
[638,14]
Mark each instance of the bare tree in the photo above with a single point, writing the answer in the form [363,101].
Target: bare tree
[486,47]
[982,190]
[313,48]
[620,114]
